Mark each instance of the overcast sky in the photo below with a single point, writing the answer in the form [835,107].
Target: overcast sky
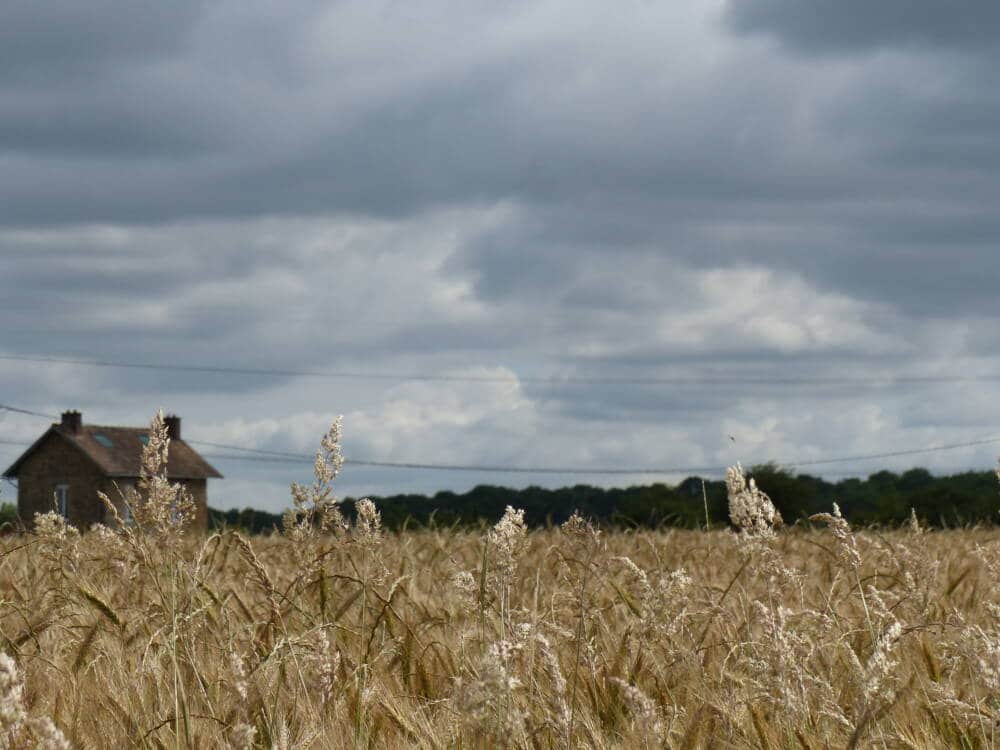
[506,191]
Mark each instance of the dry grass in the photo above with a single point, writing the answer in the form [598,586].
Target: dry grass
[330,637]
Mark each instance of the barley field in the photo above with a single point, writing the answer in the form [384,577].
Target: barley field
[337,635]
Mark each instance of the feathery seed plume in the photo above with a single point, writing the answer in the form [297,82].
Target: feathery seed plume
[750,509]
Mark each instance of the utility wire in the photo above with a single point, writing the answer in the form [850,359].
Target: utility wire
[893,454]
[296,458]
[473,467]
[284,458]
[271,456]
[707,379]
[17,410]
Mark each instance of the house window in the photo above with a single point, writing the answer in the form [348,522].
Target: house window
[62,500]
[103,440]
[125,513]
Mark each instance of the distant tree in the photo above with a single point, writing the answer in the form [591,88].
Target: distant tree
[794,497]
[8,516]
[882,498]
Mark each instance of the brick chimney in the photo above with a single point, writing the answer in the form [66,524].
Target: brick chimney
[173,423]
[72,421]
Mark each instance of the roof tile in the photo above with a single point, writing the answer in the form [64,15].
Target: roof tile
[124,457]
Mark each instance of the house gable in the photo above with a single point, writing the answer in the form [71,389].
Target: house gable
[55,462]
[51,434]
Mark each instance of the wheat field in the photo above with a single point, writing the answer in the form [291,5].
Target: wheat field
[337,635]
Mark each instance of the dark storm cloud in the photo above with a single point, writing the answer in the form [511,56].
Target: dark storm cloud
[62,40]
[241,111]
[854,25]
[230,116]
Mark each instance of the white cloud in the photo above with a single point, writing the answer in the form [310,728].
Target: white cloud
[767,309]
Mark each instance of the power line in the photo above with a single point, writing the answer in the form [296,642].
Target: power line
[707,379]
[261,451]
[485,468]
[705,472]
[296,458]
[894,454]
[281,455]
[30,413]
[271,456]
[291,458]
[284,458]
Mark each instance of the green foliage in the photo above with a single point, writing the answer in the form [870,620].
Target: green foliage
[8,516]
[884,498]
[248,519]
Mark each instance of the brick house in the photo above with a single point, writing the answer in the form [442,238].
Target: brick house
[64,469]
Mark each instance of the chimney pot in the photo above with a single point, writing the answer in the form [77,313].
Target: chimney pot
[72,421]
[173,423]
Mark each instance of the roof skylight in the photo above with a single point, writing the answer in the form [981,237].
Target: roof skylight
[103,440]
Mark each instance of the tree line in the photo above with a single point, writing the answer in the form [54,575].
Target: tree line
[884,498]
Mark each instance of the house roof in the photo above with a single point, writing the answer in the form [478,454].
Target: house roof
[117,451]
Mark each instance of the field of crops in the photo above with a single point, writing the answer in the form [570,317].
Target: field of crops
[343,636]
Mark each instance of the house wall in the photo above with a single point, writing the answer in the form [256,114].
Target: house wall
[56,462]
[116,490]
[196,488]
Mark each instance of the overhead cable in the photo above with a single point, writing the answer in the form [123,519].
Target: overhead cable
[272,456]
[706,379]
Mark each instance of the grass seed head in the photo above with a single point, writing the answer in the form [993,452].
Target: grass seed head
[12,714]
[506,540]
[847,546]
[750,509]
[368,529]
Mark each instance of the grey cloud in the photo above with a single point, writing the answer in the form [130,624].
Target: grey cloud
[64,41]
[847,26]
[877,250]
[282,294]
[215,131]
[123,122]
